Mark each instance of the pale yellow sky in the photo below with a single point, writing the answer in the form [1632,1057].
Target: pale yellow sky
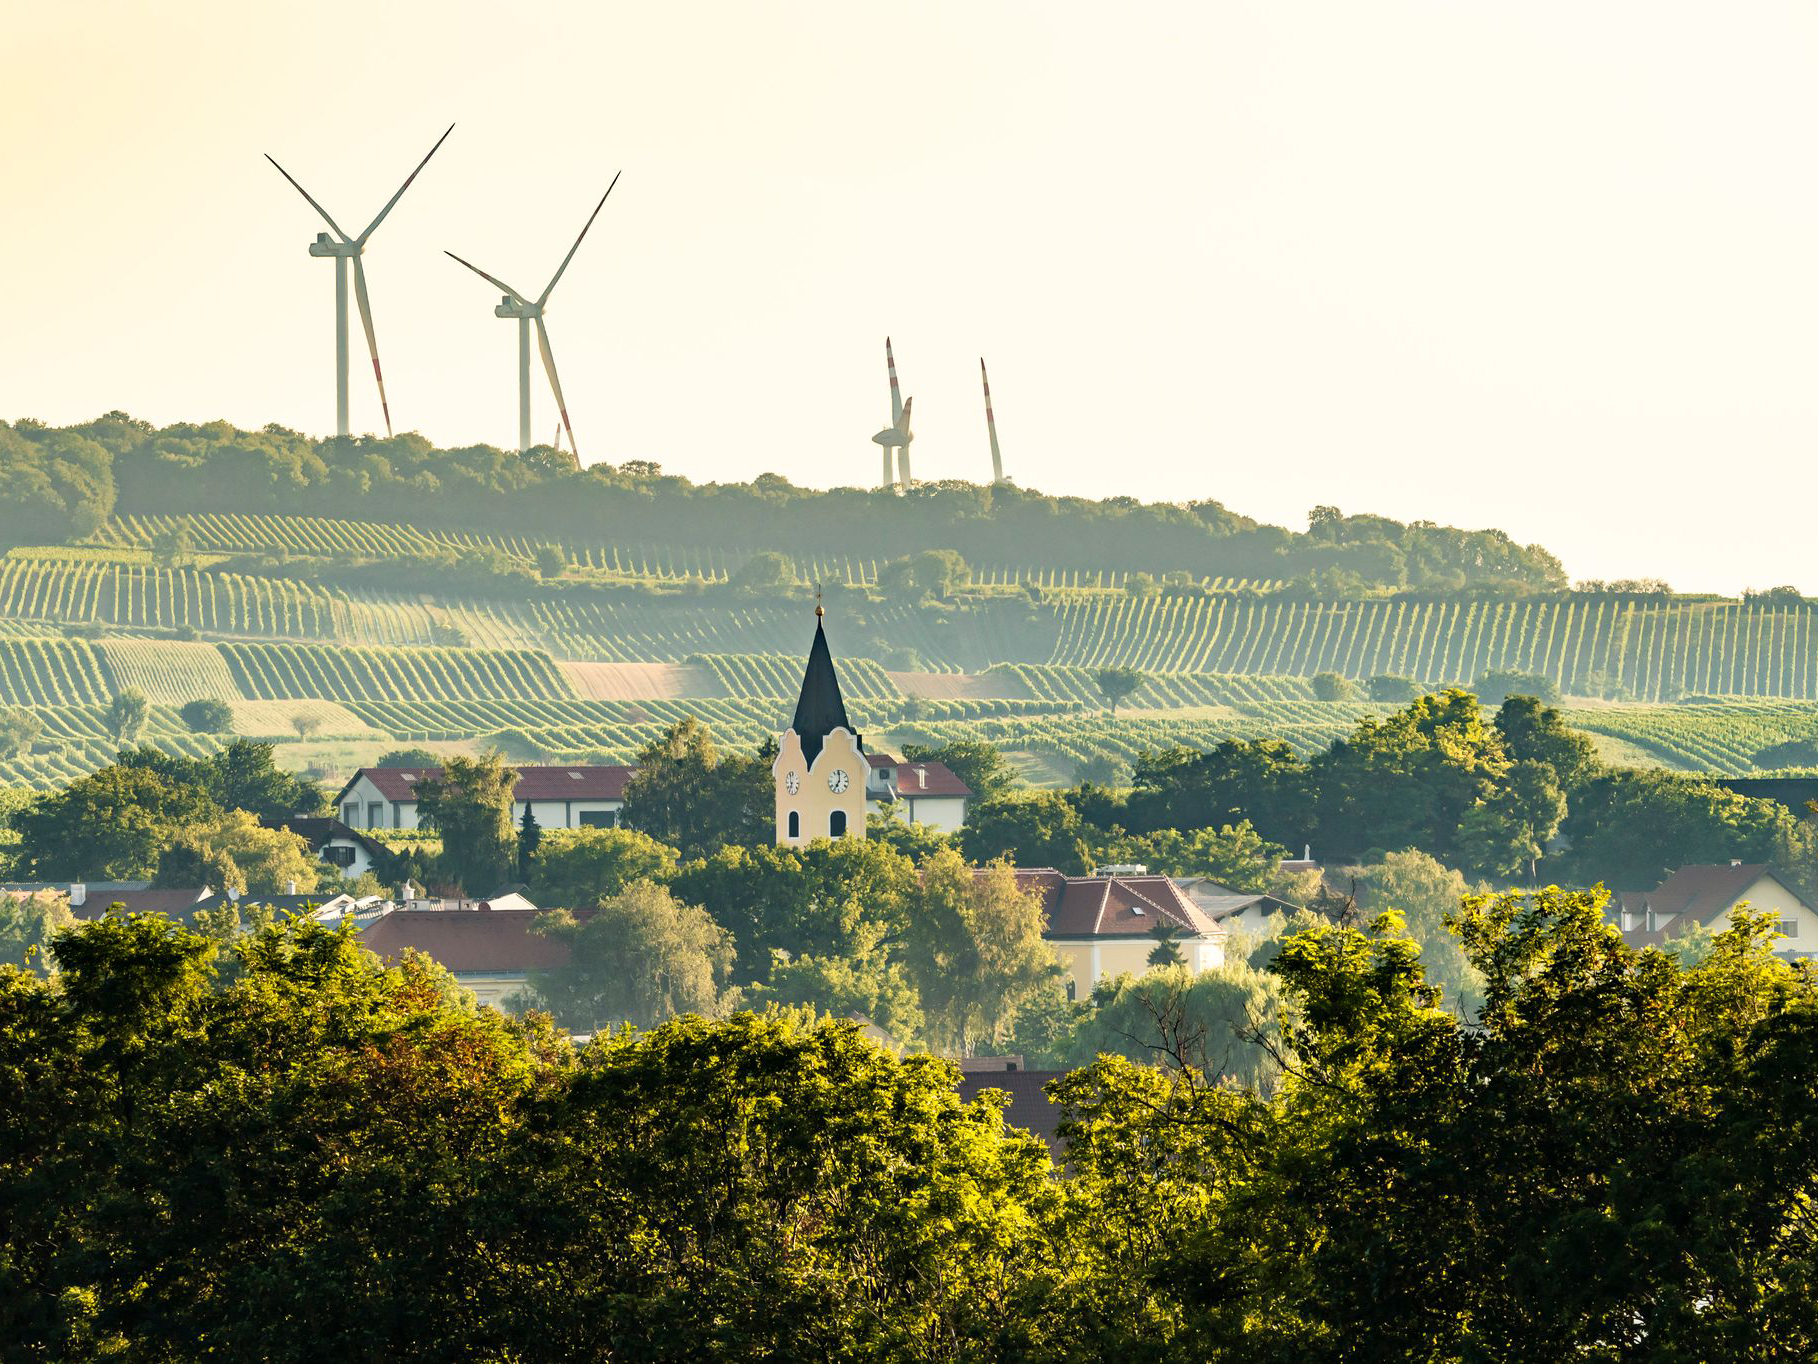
[1545,266]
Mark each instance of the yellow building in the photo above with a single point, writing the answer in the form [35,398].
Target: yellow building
[1106,925]
[820,771]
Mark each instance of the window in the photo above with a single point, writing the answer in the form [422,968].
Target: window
[836,824]
[375,813]
[1789,928]
[338,856]
[350,813]
[795,824]
[883,774]
[598,819]
[1072,991]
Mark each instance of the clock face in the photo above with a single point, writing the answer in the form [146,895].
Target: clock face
[838,781]
[792,783]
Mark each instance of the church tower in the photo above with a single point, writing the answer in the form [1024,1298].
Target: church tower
[820,768]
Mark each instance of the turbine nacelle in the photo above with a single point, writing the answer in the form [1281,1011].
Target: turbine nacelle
[325,245]
[509,306]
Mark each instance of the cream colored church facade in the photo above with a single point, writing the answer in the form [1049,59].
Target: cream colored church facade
[821,771]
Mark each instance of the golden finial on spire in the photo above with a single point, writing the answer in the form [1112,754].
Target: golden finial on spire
[818,612]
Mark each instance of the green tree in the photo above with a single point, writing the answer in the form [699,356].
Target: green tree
[530,834]
[551,562]
[1220,1023]
[19,730]
[1166,951]
[1506,833]
[206,715]
[233,851]
[640,958]
[108,826]
[172,546]
[688,794]
[1332,687]
[407,758]
[868,981]
[242,776]
[28,923]
[1533,731]
[973,946]
[1234,855]
[980,765]
[1040,829]
[814,901]
[1496,686]
[125,715]
[469,804]
[1116,684]
[763,575]
[931,574]
[573,868]
[1389,687]
[1261,781]
[1426,894]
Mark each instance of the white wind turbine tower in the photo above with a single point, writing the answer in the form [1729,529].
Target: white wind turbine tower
[896,436]
[346,249]
[997,460]
[514,304]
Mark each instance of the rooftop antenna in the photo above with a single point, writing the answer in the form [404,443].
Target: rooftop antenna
[997,460]
[345,249]
[514,304]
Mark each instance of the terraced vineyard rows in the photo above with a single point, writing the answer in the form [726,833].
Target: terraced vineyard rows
[780,675]
[74,742]
[1646,649]
[169,671]
[1160,690]
[302,671]
[1724,738]
[52,672]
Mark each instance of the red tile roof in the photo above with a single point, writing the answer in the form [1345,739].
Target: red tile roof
[1113,906]
[534,783]
[917,779]
[467,940]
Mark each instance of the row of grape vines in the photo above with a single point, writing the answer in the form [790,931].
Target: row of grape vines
[1159,690]
[781,675]
[1642,650]
[304,671]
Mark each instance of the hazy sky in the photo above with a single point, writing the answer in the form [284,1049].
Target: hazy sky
[1544,266]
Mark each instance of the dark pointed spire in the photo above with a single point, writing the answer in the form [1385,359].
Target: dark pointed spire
[821,709]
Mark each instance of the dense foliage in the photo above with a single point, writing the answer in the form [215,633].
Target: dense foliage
[189,469]
[285,1151]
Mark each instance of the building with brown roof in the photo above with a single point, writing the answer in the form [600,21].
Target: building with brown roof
[489,951]
[1702,896]
[1106,924]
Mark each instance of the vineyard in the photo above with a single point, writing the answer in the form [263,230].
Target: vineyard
[1645,650]
[274,672]
[1160,691]
[781,675]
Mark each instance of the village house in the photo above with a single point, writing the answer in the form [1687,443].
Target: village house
[1238,911]
[488,951]
[1105,925]
[331,840]
[1702,896]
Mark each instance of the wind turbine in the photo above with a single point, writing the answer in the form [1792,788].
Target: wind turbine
[514,304]
[346,249]
[997,460]
[897,435]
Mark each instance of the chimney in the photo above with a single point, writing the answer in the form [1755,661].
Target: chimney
[1735,861]
[78,894]
[1306,853]
[290,887]
[921,776]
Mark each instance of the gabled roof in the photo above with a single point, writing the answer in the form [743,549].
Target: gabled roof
[1113,906]
[820,709]
[1030,1107]
[916,779]
[1698,894]
[177,904]
[568,782]
[467,940]
[319,831]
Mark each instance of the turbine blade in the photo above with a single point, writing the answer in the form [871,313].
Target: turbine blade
[406,185]
[997,460]
[896,394]
[372,341]
[903,425]
[312,203]
[556,384]
[544,296]
[494,282]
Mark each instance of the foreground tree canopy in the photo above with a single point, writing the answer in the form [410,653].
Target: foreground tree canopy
[287,1151]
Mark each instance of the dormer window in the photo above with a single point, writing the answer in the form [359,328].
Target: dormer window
[883,774]
[1138,911]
